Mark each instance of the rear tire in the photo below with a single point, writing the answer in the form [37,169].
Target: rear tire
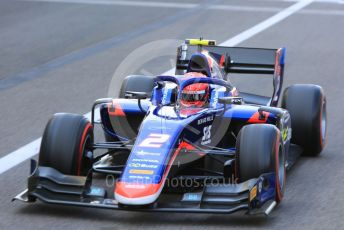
[137,83]
[67,144]
[307,107]
[259,150]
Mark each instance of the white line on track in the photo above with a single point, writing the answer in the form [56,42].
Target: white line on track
[30,150]
[267,23]
[15,158]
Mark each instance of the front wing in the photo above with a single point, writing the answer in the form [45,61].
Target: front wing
[255,196]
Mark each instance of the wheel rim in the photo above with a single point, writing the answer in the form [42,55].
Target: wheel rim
[85,149]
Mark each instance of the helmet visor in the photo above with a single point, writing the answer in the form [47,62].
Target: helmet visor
[194,96]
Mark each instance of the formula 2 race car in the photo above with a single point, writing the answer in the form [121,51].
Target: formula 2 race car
[190,142]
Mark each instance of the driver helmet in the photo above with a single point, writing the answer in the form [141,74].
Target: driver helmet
[195,95]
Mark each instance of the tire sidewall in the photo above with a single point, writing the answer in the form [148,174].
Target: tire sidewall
[280,188]
[82,166]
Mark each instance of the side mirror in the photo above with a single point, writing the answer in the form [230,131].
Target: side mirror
[231,100]
[136,95]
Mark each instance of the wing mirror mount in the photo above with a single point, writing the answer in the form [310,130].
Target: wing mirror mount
[230,100]
[137,95]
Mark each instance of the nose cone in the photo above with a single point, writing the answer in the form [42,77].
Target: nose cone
[150,160]
[136,193]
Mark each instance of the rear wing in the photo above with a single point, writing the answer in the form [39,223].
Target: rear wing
[239,60]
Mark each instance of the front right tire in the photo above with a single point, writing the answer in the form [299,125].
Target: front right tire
[67,144]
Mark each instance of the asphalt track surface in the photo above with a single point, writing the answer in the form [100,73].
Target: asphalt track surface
[36,33]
